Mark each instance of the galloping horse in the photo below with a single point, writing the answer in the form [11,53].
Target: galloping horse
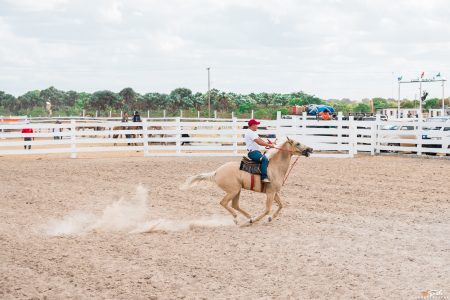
[231,179]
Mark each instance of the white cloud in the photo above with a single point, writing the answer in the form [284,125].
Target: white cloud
[329,48]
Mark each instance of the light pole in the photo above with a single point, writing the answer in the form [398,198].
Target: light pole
[209,94]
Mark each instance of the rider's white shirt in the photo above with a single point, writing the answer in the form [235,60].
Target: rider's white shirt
[250,137]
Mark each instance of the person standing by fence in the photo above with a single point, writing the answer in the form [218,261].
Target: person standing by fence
[125,120]
[137,117]
[27,139]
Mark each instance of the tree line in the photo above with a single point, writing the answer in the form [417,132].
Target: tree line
[264,104]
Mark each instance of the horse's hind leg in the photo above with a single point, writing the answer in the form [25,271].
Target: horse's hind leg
[228,197]
[235,205]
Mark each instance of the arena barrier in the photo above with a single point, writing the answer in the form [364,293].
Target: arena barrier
[222,137]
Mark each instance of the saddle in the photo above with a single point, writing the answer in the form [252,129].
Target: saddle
[250,166]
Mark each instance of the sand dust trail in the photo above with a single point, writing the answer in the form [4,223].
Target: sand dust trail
[129,216]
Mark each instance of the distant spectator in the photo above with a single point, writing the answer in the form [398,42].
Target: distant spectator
[324,115]
[125,117]
[125,120]
[27,139]
[57,137]
[136,117]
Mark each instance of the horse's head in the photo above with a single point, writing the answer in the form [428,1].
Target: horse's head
[298,148]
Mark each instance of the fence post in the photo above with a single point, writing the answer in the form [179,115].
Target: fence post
[419,135]
[351,135]
[304,119]
[252,114]
[215,114]
[232,114]
[235,132]
[96,113]
[73,146]
[339,129]
[181,113]
[164,113]
[178,135]
[148,114]
[278,130]
[198,114]
[374,135]
[145,132]
[377,135]
[110,114]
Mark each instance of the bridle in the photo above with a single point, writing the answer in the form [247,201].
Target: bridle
[291,166]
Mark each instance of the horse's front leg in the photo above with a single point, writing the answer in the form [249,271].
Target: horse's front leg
[269,201]
[280,206]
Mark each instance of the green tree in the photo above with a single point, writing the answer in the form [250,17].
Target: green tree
[104,100]
[128,98]
[153,101]
[432,103]
[180,98]
[30,100]
[54,96]
[7,101]
[82,100]
[361,107]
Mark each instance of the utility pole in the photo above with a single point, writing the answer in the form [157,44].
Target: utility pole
[209,94]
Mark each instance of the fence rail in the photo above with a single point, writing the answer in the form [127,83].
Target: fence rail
[224,137]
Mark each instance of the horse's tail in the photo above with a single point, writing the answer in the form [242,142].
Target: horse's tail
[197,179]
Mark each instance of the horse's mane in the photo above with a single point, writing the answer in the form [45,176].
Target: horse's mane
[271,152]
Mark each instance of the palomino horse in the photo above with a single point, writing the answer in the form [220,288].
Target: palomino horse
[230,179]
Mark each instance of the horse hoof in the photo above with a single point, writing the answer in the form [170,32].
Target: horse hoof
[270,219]
[251,221]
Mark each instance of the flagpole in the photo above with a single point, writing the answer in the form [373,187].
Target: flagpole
[420,99]
[443,101]
[398,102]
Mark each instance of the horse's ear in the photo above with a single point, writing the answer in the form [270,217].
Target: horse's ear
[288,139]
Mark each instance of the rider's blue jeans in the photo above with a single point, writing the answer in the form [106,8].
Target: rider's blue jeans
[261,158]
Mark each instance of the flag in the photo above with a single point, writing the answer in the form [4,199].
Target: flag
[423,73]
[399,78]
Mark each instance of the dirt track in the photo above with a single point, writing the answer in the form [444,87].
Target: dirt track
[369,227]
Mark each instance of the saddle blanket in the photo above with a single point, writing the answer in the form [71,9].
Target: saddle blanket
[250,166]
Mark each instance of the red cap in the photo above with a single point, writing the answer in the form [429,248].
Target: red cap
[253,122]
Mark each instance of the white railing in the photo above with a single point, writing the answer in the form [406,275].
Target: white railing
[218,137]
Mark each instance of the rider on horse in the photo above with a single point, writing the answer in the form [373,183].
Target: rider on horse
[253,141]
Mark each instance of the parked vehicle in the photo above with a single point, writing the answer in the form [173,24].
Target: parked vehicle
[440,134]
[399,132]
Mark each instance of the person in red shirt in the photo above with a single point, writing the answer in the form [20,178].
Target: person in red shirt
[26,139]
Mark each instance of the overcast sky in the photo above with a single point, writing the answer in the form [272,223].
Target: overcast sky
[333,49]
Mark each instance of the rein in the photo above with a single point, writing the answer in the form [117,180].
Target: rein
[290,169]
[291,166]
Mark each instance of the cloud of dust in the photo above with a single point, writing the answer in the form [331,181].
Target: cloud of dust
[129,216]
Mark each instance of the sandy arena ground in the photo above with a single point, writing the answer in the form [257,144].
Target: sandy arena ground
[362,228]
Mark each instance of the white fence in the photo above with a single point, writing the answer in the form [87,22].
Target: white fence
[220,137]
